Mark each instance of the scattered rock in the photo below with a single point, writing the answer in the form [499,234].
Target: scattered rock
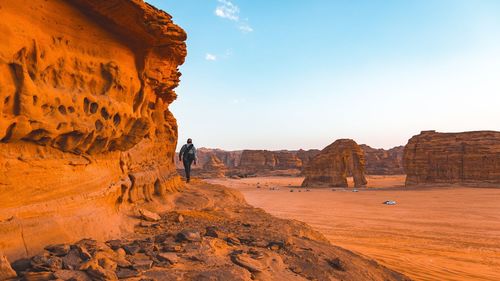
[247,262]
[168,257]
[21,265]
[6,271]
[174,248]
[141,262]
[131,249]
[114,244]
[38,276]
[232,240]
[148,224]
[73,275]
[124,273]
[180,218]
[336,264]
[58,249]
[72,260]
[149,216]
[212,231]
[189,235]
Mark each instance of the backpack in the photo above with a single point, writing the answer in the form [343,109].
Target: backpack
[189,153]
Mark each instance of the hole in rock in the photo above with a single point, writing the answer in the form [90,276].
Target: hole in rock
[6,100]
[104,113]
[93,107]
[35,100]
[71,109]
[116,119]
[86,104]
[62,109]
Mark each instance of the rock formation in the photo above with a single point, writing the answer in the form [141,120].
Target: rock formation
[334,163]
[85,87]
[213,168]
[463,158]
[230,159]
[383,162]
[265,162]
[219,238]
[254,162]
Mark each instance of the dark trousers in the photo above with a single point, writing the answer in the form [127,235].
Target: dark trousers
[187,167]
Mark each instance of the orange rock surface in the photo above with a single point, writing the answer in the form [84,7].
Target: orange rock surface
[214,168]
[383,162]
[334,163]
[460,158]
[85,127]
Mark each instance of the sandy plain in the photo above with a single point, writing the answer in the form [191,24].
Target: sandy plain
[439,233]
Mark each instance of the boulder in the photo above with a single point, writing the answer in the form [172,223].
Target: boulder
[6,271]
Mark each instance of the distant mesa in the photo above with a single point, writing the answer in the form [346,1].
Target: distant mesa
[334,163]
[249,163]
[467,158]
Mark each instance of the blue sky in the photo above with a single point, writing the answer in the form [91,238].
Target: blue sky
[299,74]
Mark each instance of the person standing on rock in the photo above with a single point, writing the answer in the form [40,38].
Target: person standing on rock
[188,157]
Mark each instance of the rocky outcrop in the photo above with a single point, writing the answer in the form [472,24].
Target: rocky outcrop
[253,162]
[265,162]
[230,159]
[334,163]
[220,238]
[213,168]
[85,127]
[471,158]
[383,162]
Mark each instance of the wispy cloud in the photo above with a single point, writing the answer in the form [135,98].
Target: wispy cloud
[210,57]
[227,10]
[245,27]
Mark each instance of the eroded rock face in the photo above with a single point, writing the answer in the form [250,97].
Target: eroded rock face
[214,168]
[383,162]
[334,163]
[464,158]
[85,87]
[265,162]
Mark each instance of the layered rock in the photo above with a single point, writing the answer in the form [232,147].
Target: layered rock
[213,168]
[85,87]
[230,159]
[383,162]
[334,163]
[462,158]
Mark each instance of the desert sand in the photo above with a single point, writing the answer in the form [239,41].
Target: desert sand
[441,233]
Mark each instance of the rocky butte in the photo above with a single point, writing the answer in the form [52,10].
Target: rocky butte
[86,162]
[470,158]
[334,163]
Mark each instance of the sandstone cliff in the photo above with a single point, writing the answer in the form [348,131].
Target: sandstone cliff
[213,168]
[334,163]
[383,162]
[464,158]
[85,127]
